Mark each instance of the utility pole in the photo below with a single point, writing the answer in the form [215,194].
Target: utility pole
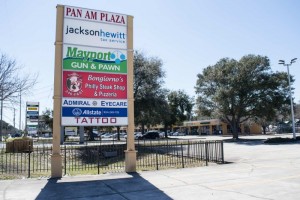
[282,62]
[14,118]
[20,112]
[1,122]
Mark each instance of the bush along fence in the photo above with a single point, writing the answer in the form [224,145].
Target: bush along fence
[109,158]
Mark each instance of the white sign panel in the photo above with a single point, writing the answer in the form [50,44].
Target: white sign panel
[95,34]
[94,121]
[95,15]
[104,103]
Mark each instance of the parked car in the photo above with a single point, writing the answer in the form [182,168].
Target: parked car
[175,134]
[114,135]
[161,134]
[123,135]
[136,135]
[106,135]
[70,133]
[34,135]
[16,135]
[150,135]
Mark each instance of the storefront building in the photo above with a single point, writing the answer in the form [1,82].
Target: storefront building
[216,127]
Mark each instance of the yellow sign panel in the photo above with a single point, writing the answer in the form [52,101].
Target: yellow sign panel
[33,108]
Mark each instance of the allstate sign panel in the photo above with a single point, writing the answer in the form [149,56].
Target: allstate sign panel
[95,34]
[81,116]
[94,112]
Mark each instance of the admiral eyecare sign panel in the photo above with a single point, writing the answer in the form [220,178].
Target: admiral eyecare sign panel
[94,76]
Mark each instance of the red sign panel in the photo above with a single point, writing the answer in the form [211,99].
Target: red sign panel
[94,85]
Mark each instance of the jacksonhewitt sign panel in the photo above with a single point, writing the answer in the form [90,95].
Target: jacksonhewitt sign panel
[95,34]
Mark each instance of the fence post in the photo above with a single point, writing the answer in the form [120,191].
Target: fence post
[65,154]
[156,159]
[216,151]
[29,162]
[206,153]
[176,147]
[222,152]
[188,151]
[98,163]
[182,156]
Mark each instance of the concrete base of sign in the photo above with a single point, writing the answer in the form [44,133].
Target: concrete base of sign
[56,166]
[130,161]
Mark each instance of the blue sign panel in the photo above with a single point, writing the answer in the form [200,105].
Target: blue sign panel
[33,113]
[93,112]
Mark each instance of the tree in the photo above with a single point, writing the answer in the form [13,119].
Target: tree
[47,117]
[297,111]
[236,91]
[11,84]
[181,106]
[148,91]
[175,109]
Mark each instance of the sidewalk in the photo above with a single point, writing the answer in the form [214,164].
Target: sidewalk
[254,171]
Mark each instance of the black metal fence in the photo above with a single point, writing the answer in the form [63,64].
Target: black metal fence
[20,164]
[97,159]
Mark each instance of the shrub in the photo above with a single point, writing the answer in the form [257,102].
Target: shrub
[281,140]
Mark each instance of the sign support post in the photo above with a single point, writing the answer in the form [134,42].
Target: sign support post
[130,153]
[56,160]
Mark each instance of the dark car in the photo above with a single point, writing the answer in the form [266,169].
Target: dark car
[150,135]
[15,135]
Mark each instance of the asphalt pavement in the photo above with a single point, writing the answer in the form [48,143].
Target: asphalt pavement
[253,170]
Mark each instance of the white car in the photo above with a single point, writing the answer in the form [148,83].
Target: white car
[106,135]
[136,135]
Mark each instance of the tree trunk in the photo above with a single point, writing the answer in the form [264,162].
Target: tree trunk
[143,128]
[264,129]
[234,127]
[91,134]
[118,133]
[166,131]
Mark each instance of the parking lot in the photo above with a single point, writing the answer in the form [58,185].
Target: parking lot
[254,170]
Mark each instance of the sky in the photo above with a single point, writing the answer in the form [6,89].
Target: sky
[186,35]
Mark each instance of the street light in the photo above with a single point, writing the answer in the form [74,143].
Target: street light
[282,62]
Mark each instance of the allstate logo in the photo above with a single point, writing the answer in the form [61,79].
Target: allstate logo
[77,111]
[117,56]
